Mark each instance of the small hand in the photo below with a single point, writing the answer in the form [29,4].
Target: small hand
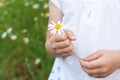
[102,63]
[62,44]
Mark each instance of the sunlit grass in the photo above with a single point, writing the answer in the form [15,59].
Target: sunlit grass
[28,21]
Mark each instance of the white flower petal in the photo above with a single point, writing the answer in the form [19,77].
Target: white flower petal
[50,25]
[50,28]
[62,31]
[4,34]
[59,22]
[59,32]
[53,31]
[53,22]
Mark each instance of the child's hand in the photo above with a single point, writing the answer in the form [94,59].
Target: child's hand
[101,63]
[62,44]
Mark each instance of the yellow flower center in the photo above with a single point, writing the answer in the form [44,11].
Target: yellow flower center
[58,26]
[24,39]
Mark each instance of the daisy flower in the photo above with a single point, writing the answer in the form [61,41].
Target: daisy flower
[35,6]
[56,28]
[9,30]
[4,34]
[25,40]
[13,37]
[37,61]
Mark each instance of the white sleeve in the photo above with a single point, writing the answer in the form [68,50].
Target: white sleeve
[56,3]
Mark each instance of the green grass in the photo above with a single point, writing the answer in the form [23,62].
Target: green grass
[27,18]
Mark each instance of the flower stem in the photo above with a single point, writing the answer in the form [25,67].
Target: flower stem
[78,57]
[29,70]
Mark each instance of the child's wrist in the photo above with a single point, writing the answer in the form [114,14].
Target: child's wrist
[118,54]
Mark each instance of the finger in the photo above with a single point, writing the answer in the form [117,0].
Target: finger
[104,73]
[61,45]
[68,49]
[58,38]
[90,64]
[70,35]
[93,56]
[92,72]
[98,72]
[101,75]
[66,54]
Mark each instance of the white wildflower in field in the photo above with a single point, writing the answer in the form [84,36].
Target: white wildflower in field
[26,4]
[46,14]
[37,61]
[42,14]
[35,6]
[4,34]
[1,4]
[26,59]
[25,40]
[24,31]
[9,30]
[35,18]
[45,5]
[13,37]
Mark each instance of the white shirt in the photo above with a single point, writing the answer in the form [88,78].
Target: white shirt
[96,24]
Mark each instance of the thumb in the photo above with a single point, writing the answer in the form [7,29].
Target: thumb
[93,56]
[70,35]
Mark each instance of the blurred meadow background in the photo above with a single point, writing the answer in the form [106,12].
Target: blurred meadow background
[23,24]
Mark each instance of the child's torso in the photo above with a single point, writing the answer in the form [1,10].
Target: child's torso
[96,24]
